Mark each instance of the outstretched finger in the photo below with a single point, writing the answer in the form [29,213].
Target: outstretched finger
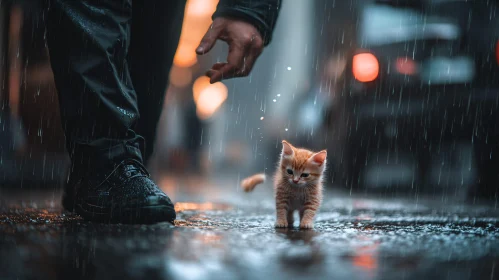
[209,40]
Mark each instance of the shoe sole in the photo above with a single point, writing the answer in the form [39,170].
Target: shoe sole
[142,215]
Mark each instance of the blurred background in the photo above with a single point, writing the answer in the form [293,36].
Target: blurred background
[402,93]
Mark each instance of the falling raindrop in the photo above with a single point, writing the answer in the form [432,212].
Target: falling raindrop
[286,129]
[289,68]
[261,118]
[274,100]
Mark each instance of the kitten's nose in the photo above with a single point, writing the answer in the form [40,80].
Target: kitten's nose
[295,180]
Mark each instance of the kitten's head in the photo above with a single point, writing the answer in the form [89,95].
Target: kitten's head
[300,167]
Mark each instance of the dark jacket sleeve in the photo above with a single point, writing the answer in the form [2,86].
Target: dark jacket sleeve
[261,13]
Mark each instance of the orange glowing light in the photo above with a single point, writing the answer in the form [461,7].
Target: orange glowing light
[15,74]
[200,8]
[180,77]
[199,85]
[197,20]
[192,206]
[213,239]
[210,101]
[497,52]
[208,97]
[366,262]
[365,258]
[365,67]
[406,66]
[185,56]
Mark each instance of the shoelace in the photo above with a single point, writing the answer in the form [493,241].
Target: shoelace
[137,165]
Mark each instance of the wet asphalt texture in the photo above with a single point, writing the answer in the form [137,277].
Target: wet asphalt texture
[223,233]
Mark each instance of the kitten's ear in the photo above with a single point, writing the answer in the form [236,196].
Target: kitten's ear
[319,158]
[287,149]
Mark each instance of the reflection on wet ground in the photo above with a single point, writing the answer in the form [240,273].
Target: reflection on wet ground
[230,235]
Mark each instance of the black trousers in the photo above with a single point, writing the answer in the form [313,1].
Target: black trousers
[111,60]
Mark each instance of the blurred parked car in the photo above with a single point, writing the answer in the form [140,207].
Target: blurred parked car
[421,98]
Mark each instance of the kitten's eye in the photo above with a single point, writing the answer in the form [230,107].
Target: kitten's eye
[290,172]
[305,175]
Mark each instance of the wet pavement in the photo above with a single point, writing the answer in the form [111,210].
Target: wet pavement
[222,233]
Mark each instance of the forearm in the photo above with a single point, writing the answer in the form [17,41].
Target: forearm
[261,13]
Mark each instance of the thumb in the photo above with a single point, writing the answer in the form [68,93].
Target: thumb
[208,40]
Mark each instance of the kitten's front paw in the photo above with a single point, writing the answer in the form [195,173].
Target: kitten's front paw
[281,224]
[307,225]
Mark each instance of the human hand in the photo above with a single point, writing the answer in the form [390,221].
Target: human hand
[245,45]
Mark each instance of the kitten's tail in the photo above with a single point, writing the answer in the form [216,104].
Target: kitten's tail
[251,182]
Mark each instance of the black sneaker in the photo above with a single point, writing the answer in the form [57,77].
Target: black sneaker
[124,194]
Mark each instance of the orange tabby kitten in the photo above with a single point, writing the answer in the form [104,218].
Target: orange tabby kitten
[297,185]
